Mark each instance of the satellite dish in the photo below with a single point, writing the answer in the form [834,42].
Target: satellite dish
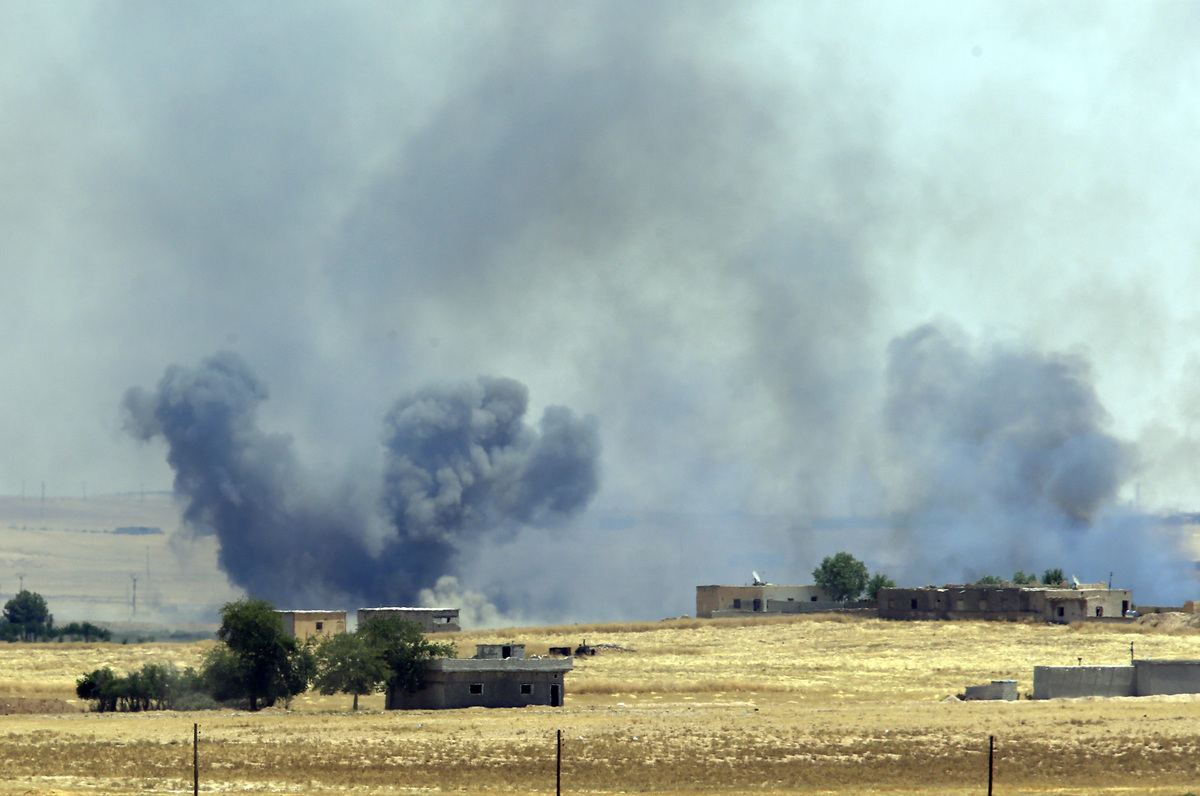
[757,579]
[1075,581]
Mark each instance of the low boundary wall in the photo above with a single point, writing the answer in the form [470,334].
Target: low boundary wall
[1161,676]
[997,689]
[1051,682]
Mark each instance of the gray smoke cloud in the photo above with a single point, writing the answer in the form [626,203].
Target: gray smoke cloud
[1003,461]
[461,460]
[461,463]
[702,222]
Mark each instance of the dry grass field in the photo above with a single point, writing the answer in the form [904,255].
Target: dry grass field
[805,705]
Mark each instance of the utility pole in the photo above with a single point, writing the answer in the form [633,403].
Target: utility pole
[133,614]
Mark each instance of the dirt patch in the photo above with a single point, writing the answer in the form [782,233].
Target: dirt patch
[1170,620]
[10,706]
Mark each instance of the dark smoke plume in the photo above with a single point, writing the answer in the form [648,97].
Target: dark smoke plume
[1003,463]
[461,460]
[461,463]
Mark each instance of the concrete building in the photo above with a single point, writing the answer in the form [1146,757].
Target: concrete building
[1148,677]
[431,620]
[1008,602]
[492,679]
[303,624]
[717,601]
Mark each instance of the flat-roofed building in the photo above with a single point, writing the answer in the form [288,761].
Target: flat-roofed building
[767,598]
[487,680]
[431,620]
[1058,604]
[303,624]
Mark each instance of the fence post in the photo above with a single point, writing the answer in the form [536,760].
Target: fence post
[991,760]
[558,768]
[196,760]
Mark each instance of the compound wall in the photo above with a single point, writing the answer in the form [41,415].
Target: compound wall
[1050,682]
[1167,677]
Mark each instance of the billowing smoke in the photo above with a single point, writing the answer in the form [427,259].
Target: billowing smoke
[1002,462]
[462,460]
[461,464]
[474,609]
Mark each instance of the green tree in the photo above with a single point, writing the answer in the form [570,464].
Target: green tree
[879,581]
[404,650]
[267,663]
[1021,579]
[100,687]
[29,615]
[1053,576]
[841,576]
[990,580]
[346,663]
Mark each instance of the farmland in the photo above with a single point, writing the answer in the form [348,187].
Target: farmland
[823,704]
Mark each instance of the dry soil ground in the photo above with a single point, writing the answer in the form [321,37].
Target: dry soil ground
[799,705]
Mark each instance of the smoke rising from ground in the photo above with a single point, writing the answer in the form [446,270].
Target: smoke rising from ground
[1003,461]
[703,223]
[461,464]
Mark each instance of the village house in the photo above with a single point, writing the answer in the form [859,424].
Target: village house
[431,620]
[1059,604]
[304,624]
[499,676]
[718,601]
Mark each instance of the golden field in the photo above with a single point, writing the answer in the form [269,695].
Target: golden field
[806,705]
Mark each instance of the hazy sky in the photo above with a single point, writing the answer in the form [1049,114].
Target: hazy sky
[710,226]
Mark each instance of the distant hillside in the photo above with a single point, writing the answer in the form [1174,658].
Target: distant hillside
[83,556]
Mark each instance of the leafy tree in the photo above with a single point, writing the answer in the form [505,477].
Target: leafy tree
[990,580]
[346,663]
[404,650]
[841,576]
[1053,576]
[28,614]
[879,581]
[267,663]
[100,687]
[82,632]
[1021,579]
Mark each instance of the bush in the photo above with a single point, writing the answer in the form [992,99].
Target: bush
[990,580]
[154,687]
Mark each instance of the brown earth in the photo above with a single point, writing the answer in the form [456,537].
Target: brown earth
[14,705]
